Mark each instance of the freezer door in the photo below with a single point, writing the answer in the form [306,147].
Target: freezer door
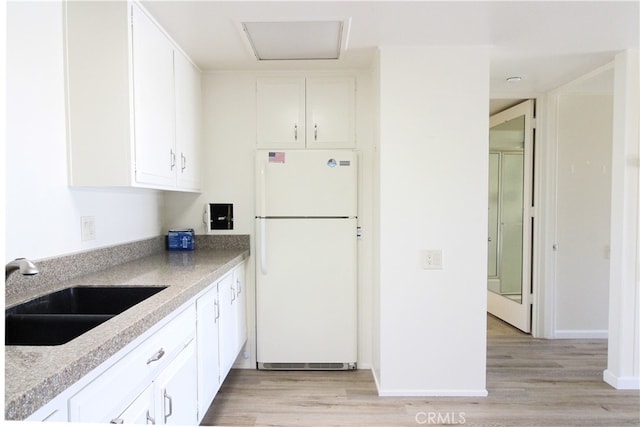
[306,183]
[306,291]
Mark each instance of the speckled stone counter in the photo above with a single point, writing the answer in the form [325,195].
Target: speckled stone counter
[35,375]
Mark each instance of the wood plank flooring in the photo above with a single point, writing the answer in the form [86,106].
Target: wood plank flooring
[531,382]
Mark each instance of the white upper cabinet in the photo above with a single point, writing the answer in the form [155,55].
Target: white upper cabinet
[188,122]
[153,101]
[281,110]
[133,101]
[331,112]
[306,112]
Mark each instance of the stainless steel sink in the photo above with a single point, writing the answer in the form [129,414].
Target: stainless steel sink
[61,316]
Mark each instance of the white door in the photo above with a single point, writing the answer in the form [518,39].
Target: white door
[281,113]
[175,390]
[228,325]
[306,291]
[153,94]
[331,112]
[140,411]
[510,227]
[315,183]
[188,123]
[241,304]
[208,316]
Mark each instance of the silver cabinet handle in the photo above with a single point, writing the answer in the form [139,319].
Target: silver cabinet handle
[233,294]
[150,419]
[315,132]
[156,356]
[239,286]
[217,307]
[167,397]
[116,421]
[183,161]
[295,132]
[172,158]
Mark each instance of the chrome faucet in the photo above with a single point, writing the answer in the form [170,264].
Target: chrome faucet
[25,266]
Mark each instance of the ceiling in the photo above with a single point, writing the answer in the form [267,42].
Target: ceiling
[547,43]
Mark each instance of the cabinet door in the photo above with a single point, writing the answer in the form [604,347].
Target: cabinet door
[188,122]
[240,306]
[176,398]
[140,411]
[330,112]
[281,113]
[207,344]
[153,99]
[228,325]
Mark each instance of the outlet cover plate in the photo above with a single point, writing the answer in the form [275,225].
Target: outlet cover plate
[431,259]
[87,228]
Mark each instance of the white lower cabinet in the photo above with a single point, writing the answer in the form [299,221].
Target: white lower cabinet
[175,391]
[221,333]
[171,398]
[208,310]
[108,396]
[172,373]
[140,411]
[240,308]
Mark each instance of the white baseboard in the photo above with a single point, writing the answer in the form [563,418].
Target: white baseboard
[581,334]
[621,383]
[426,393]
[433,393]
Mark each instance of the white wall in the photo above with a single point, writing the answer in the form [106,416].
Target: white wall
[433,166]
[583,211]
[623,367]
[228,159]
[42,212]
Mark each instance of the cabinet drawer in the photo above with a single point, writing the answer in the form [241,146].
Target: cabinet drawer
[110,393]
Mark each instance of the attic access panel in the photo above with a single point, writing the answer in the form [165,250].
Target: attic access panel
[295,40]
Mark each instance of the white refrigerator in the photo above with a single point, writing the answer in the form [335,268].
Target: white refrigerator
[306,260]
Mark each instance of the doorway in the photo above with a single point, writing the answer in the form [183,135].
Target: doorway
[510,219]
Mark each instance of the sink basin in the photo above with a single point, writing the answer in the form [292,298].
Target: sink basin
[61,316]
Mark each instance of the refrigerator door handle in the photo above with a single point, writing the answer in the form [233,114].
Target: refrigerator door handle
[263,246]
[263,188]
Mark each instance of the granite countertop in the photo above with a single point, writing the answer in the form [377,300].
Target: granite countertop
[36,374]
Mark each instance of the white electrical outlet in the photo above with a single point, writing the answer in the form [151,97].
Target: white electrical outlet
[87,228]
[431,259]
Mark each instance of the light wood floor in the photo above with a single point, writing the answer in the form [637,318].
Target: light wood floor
[530,382]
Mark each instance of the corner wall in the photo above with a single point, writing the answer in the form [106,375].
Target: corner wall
[433,174]
[623,367]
